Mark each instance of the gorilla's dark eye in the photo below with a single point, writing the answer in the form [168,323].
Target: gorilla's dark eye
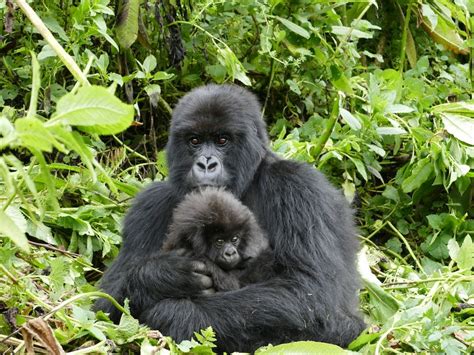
[194,140]
[235,239]
[219,242]
[222,140]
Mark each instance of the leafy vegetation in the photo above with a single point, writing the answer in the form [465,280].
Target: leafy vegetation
[376,94]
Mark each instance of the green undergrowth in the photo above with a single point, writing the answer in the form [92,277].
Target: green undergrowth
[376,94]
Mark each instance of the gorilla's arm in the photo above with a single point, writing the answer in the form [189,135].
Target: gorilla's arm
[141,272]
[315,294]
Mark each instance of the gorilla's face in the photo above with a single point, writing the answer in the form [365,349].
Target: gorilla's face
[217,138]
[208,152]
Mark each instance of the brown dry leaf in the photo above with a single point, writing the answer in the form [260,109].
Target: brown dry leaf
[39,329]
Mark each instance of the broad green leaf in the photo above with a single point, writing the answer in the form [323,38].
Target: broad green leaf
[33,134]
[376,149]
[360,167]
[351,120]
[162,75]
[350,31]
[93,109]
[385,305]
[385,131]
[149,64]
[126,29]
[302,348]
[461,127]
[453,248]
[398,108]
[293,27]
[74,141]
[12,230]
[465,108]
[340,81]
[444,33]
[411,50]
[420,174]
[465,257]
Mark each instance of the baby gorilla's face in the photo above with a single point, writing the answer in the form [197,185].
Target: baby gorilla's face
[224,250]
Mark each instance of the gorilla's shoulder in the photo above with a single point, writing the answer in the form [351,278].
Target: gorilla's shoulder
[293,172]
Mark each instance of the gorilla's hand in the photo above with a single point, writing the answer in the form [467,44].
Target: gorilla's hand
[169,275]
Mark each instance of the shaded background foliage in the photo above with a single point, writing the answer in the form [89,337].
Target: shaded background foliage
[376,94]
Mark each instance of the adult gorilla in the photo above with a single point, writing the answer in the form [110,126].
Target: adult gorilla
[217,137]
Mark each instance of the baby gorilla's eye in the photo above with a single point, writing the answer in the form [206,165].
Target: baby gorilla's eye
[194,141]
[235,239]
[219,242]
[222,140]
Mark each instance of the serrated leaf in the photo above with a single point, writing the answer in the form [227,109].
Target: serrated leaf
[126,29]
[420,174]
[293,27]
[302,348]
[12,230]
[461,127]
[34,134]
[95,110]
[351,120]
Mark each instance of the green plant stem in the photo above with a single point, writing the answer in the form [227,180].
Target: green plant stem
[48,36]
[407,245]
[8,274]
[404,39]
[328,130]
[94,294]
[35,86]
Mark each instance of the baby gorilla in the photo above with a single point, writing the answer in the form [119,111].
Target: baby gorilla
[213,226]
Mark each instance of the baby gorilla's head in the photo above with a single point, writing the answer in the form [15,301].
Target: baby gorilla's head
[212,223]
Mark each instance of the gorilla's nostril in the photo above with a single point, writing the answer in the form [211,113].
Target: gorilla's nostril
[212,166]
[201,166]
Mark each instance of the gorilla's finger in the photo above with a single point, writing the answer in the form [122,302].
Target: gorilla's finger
[181,252]
[204,281]
[200,268]
[209,291]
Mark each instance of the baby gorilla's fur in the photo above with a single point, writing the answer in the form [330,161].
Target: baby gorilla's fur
[212,225]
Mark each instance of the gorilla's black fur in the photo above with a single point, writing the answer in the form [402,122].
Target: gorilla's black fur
[217,137]
[213,226]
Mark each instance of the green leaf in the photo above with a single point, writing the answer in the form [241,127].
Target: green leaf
[420,174]
[350,31]
[126,29]
[385,305]
[12,230]
[465,108]
[386,131]
[465,257]
[33,134]
[93,109]
[149,64]
[351,120]
[293,27]
[459,126]
[340,81]
[74,141]
[302,348]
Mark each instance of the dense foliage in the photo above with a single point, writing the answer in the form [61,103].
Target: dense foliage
[376,94]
